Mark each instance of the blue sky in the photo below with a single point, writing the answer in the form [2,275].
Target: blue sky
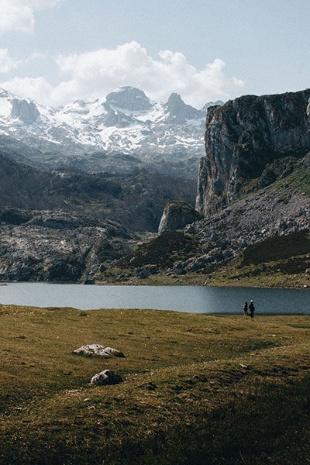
[57,51]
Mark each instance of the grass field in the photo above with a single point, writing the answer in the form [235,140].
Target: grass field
[197,389]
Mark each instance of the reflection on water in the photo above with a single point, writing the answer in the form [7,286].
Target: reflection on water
[194,299]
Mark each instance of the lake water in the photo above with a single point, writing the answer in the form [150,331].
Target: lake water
[193,299]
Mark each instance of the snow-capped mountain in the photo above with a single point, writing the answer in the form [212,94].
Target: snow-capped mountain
[124,131]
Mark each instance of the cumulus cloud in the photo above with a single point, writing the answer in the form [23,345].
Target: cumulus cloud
[38,89]
[6,62]
[94,74]
[18,15]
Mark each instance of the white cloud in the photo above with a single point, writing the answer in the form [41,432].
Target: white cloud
[18,15]
[38,89]
[94,74]
[6,62]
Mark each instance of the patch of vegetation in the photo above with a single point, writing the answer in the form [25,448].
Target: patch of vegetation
[163,250]
[277,248]
[196,390]
[271,263]
[300,180]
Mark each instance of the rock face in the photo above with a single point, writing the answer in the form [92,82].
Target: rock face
[176,215]
[243,137]
[25,111]
[56,246]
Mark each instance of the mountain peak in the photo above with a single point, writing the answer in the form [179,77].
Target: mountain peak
[127,98]
[24,110]
[179,112]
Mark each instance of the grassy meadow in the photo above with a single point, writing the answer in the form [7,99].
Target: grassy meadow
[197,389]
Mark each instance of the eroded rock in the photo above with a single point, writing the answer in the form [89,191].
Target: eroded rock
[97,350]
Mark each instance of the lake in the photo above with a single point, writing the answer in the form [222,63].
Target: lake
[193,299]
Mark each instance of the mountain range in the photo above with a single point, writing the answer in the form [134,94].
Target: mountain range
[65,217]
[122,132]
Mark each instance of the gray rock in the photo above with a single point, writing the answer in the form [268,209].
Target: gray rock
[105,378]
[96,350]
[177,215]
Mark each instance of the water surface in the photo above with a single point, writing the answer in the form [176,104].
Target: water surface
[194,299]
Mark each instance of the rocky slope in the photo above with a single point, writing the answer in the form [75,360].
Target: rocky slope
[204,246]
[243,137]
[57,246]
[134,200]
[279,209]
[124,131]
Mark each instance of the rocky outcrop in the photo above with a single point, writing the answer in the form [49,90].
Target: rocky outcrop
[176,216]
[243,137]
[97,350]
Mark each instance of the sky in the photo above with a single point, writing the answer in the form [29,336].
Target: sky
[58,51]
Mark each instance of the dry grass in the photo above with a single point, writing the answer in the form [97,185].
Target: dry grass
[197,389]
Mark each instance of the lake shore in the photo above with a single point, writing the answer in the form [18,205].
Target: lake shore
[225,276]
[196,388]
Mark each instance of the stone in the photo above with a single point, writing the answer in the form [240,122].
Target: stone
[106,377]
[97,350]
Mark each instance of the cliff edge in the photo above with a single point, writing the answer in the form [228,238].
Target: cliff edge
[243,137]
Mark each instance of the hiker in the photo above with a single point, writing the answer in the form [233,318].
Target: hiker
[251,308]
[245,308]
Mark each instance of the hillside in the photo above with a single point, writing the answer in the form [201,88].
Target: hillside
[135,200]
[193,387]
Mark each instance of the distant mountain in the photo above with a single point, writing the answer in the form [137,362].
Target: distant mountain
[134,200]
[124,131]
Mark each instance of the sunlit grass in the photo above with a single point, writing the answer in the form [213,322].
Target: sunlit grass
[192,385]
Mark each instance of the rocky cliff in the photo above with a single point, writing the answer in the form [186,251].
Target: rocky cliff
[245,136]
[57,246]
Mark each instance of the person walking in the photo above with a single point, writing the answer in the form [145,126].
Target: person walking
[252,309]
[245,308]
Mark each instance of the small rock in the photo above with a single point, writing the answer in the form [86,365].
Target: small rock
[105,378]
